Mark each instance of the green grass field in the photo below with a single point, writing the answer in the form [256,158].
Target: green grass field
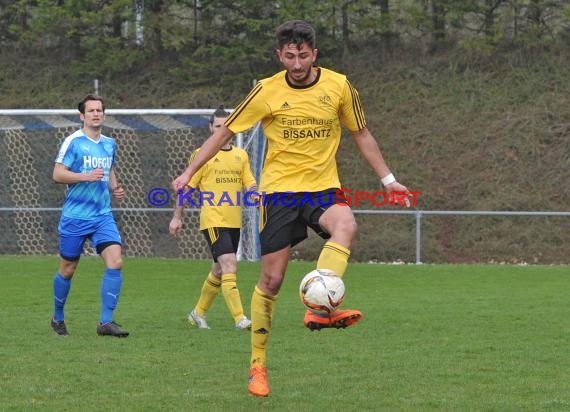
[434,338]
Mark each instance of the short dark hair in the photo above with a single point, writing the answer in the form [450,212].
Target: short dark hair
[296,32]
[81,104]
[220,112]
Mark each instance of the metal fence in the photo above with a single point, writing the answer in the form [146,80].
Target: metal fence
[420,214]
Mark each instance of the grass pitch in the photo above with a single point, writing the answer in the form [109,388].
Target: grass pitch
[434,338]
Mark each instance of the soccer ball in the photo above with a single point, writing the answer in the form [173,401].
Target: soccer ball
[322,291]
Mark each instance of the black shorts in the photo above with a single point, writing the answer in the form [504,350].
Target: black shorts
[284,217]
[222,240]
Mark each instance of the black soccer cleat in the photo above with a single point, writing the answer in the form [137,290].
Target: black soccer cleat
[59,327]
[111,329]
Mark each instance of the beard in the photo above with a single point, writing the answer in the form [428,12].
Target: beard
[300,76]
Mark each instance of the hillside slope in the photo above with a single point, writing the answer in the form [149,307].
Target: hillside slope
[470,134]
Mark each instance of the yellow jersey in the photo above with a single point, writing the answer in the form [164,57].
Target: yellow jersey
[302,125]
[220,182]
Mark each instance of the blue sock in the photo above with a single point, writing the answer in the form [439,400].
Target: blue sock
[61,288]
[110,291]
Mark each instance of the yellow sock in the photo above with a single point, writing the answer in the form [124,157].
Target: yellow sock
[262,310]
[334,257]
[231,295]
[210,290]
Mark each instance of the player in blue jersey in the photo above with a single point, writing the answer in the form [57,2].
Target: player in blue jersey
[85,162]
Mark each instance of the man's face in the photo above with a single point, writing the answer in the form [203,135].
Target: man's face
[298,61]
[94,115]
[217,123]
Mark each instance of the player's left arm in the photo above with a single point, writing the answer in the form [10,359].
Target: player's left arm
[352,116]
[249,182]
[114,186]
[370,151]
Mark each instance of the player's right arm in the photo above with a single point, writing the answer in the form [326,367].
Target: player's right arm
[209,148]
[62,174]
[176,221]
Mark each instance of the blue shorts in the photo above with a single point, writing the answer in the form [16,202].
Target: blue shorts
[73,233]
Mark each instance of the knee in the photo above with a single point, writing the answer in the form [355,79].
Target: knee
[116,262]
[347,228]
[67,273]
[113,256]
[230,267]
[270,283]
[233,268]
[227,263]
[67,269]
[351,228]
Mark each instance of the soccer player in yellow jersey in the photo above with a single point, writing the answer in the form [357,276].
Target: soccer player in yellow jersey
[220,182]
[301,109]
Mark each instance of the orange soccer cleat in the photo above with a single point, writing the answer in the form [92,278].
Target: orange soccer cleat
[257,382]
[339,319]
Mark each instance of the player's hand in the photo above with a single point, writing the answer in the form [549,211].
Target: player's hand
[180,182]
[95,175]
[118,192]
[253,198]
[395,188]
[175,226]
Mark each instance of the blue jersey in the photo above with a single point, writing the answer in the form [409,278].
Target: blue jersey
[79,153]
